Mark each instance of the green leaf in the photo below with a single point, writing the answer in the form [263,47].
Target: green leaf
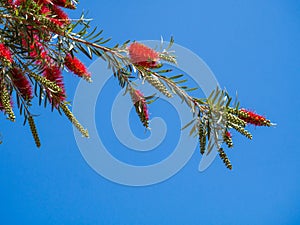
[217,93]
[84,51]
[164,71]
[150,97]
[171,43]
[193,130]
[105,41]
[181,81]
[176,77]
[210,96]
[191,89]
[188,124]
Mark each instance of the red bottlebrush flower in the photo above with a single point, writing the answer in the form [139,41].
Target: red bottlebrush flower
[43,2]
[140,98]
[53,73]
[22,83]
[253,118]
[38,51]
[64,3]
[18,2]
[77,67]
[45,10]
[60,16]
[142,55]
[5,53]
[55,22]
[140,105]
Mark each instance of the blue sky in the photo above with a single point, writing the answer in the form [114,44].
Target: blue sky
[252,47]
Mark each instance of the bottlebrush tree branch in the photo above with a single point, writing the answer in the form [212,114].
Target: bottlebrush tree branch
[38,41]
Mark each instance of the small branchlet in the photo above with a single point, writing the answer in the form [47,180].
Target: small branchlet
[236,120]
[6,104]
[241,130]
[228,139]
[34,131]
[225,159]
[50,25]
[237,112]
[155,82]
[168,58]
[52,86]
[202,137]
[73,119]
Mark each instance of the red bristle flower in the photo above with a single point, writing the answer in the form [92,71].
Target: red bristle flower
[5,54]
[18,2]
[140,98]
[140,105]
[253,118]
[43,2]
[54,74]
[45,10]
[77,67]
[38,51]
[142,55]
[22,83]
[55,22]
[64,3]
[61,17]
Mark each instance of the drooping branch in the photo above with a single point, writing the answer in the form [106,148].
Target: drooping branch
[38,41]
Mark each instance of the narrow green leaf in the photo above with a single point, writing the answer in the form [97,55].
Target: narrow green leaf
[176,77]
[188,124]
[193,130]
[192,89]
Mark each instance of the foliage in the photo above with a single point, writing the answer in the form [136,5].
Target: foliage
[38,41]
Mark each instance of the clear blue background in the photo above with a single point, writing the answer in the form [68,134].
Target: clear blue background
[251,46]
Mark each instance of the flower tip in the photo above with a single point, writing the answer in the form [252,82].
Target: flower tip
[142,55]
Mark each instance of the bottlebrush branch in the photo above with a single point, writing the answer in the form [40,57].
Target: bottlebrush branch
[38,41]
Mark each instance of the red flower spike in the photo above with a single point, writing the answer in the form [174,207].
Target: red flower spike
[45,10]
[38,51]
[53,73]
[22,83]
[18,2]
[45,2]
[142,55]
[77,67]
[140,105]
[5,53]
[140,97]
[64,3]
[254,118]
[60,16]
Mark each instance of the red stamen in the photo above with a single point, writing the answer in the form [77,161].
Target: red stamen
[142,55]
[5,53]
[77,67]
[22,83]
[254,118]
